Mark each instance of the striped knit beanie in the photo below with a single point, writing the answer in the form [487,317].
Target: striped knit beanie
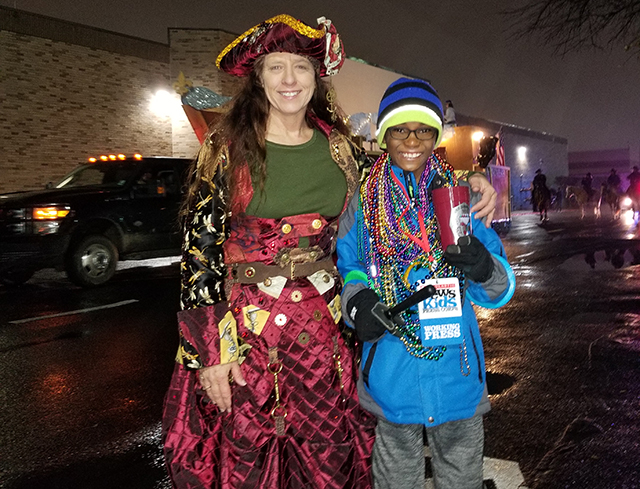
[409,100]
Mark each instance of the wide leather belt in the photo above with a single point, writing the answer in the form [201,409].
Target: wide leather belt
[256,272]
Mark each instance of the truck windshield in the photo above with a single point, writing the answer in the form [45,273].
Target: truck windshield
[108,174]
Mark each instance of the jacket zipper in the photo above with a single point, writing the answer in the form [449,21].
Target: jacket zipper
[475,349]
[410,188]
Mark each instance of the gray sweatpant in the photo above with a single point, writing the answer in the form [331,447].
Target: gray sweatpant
[456,455]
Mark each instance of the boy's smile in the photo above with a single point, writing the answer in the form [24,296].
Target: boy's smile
[411,154]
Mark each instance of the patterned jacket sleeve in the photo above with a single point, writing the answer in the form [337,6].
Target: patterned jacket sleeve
[207,328]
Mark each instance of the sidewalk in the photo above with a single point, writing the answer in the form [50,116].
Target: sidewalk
[498,474]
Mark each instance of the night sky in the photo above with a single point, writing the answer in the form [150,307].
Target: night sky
[592,98]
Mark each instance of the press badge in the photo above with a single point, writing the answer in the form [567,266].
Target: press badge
[441,314]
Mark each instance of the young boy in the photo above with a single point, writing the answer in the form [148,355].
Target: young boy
[389,247]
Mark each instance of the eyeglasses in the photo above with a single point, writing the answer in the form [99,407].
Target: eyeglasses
[423,133]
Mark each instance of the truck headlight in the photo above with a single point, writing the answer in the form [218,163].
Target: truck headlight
[50,213]
[46,220]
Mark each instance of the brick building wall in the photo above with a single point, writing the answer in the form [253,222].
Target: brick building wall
[68,92]
[194,52]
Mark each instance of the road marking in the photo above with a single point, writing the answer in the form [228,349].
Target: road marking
[78,311]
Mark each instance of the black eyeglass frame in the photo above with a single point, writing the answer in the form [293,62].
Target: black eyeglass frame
[432,131]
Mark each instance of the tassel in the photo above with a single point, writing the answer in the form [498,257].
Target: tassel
[331,97]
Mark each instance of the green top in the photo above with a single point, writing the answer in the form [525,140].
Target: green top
[300,179]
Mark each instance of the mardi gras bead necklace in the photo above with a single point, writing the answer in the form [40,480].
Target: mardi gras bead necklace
[401,234]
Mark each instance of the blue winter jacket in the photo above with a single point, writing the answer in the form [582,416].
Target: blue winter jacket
[406,389]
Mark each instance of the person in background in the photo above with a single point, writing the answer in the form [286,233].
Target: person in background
[587,185]
[449,114]
[429,372]
[540,194]
[613,181]
[634,181]
[633,191]
[448,130]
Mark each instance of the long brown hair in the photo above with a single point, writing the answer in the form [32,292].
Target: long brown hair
[243,131]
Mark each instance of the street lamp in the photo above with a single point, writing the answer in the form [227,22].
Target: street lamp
[522,153]
[164,104]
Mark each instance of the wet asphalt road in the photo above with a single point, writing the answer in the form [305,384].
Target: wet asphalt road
[81,394]
[570,343]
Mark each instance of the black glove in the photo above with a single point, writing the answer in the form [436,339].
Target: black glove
[470,256]
[368,327]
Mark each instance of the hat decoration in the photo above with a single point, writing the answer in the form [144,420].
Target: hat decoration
[284,34]
[203,107]
[198,97]
[409,100]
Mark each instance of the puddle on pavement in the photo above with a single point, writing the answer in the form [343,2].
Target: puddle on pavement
[602,260]
[498,383]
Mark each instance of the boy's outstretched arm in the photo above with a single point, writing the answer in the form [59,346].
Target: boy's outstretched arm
[487,204]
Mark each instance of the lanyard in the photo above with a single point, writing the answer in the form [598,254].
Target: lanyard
[423,241]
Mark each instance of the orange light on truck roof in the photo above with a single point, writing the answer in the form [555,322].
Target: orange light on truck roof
[113,157]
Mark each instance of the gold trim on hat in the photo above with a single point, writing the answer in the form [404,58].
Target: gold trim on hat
[295,24]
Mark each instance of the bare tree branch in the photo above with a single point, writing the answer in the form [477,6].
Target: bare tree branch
[575,25]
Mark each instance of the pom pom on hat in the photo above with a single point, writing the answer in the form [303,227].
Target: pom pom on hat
[284,34]
[409,100]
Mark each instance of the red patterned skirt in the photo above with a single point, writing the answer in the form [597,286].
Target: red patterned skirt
[317,436]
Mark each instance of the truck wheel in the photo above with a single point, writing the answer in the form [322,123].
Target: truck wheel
[15,277]
[92,261]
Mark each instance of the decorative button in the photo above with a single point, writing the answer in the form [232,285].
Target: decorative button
[326,278]
[280,320]
[303,338]
[267,282]
[313,255]
[316,224]
[430,419]
[286,228]
[296,296]
[249,272]
[285,258]
[317,315]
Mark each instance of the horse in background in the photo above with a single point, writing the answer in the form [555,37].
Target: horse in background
[541,197]
[582,198]
[610,197]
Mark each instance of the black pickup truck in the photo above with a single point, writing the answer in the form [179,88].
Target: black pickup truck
[114,208]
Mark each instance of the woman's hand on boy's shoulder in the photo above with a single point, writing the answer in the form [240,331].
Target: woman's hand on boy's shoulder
[486,206]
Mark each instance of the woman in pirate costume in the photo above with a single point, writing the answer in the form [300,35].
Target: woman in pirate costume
[263,394]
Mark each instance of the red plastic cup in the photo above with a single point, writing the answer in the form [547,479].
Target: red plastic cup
[451,205]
